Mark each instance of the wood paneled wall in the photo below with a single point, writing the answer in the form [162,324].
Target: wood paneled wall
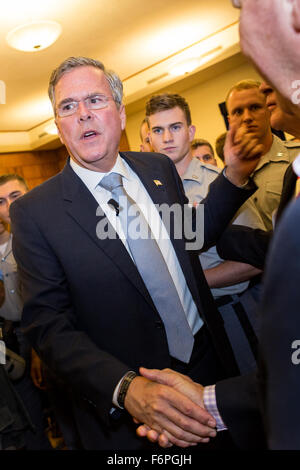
[36,167]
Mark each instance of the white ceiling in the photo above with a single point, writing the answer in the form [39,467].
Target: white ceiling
[139,40]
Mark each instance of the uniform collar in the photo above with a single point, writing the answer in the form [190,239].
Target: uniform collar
[194,171]
[277,152]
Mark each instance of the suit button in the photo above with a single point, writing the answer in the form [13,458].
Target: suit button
[159,324]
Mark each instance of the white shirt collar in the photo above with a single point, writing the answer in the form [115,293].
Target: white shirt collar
[93,178]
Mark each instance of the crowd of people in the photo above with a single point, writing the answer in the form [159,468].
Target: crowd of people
[134,336]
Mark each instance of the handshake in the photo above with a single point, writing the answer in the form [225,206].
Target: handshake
[169,408]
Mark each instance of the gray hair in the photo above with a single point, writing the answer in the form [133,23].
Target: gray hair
[113,79]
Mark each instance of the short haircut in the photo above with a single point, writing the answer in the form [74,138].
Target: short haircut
[12,177]
[199,142]
[165,101]
[220,141]
[243,85]
[71,63]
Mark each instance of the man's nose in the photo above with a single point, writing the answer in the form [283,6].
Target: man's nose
[247,115]
[167,136]
[83,112]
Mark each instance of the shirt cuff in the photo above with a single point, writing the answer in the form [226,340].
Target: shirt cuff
[242,186]
[116,393]
[210,403]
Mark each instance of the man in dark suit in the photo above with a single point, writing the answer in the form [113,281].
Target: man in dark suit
[87,309]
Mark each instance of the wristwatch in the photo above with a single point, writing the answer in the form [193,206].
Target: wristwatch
[127,379]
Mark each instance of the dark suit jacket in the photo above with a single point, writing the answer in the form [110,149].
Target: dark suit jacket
[262,408]
[86,309]
[288,190]
[280,335]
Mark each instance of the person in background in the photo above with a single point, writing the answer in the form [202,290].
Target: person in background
[219,145]
[144,135]
[13,187]
[233,244]
[4,236]
[246,106]
[203,150]
[289,123]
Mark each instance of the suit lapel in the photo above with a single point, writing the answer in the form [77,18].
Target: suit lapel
[150,177]
[82,207]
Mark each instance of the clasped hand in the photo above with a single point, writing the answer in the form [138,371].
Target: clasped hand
[170,406]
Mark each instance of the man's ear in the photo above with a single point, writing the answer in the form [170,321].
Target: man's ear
[296,16]
[192,130]
[122,116]
[58,132]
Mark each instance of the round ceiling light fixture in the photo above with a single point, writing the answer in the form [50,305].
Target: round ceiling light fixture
[34,36]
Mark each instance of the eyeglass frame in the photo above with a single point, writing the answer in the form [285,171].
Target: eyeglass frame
[85,100]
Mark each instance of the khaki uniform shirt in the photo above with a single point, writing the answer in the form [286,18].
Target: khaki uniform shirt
[196,181]
[269,174]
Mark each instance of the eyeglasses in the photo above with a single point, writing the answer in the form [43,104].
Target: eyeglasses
[67,108]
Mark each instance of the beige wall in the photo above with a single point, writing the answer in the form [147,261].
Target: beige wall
[203,100]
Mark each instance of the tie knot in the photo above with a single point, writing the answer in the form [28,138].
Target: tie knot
[111,182]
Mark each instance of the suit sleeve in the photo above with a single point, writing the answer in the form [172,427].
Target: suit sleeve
[244,244]
[220,205]
[280,337]
[239,405]
[276,388]
[49,320]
